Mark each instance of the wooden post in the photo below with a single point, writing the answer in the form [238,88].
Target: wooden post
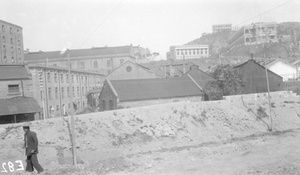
[269,99]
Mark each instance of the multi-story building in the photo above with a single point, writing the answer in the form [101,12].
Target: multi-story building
[221,27]
[11,43]
[188,52]
[97,59]
[257,33]
[52,91]
[16,95]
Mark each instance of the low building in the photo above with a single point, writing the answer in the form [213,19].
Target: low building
[16,95]
[286,70]
[51,88]
[221,27]
[123,93]
[255,77]
[131,70]
[97,59]
[188,52]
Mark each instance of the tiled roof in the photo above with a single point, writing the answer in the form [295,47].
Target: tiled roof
[156,88]
[199,76]
[79,52]
[19,105]
[13,72]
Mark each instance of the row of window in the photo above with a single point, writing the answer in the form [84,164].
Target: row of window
[62,92]
[13,60]
[108,63]
[10,30]
[12,50]
[62,79]
[64,108]
[11,41]
[192,51]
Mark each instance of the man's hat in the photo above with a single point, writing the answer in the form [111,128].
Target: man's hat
[26,126]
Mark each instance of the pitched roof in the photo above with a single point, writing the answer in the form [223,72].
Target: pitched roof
[279,60]
[79,52]
[156,88]
[13,72]
[19,105]
[199,76]
[239,66]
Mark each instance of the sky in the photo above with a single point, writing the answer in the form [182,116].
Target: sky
[50,25]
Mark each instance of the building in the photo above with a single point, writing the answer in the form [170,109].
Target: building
[221,27]
[16,95]
[131,70]
[97,59]
[143,55]
[286,70]
[137,92]
[263,32]
[11,42]
[256,33]
[255,77]
[51,88]
[188,52]
[174,69]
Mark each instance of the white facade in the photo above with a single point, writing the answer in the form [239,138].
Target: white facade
[188,52]
[285,70]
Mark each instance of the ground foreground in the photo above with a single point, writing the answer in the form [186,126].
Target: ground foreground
[224,137]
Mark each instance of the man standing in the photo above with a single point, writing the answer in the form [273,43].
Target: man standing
[31,150]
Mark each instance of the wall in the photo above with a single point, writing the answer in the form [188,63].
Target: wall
[26,89]
[136,72]
[259,96]
[156,101]
[105,97]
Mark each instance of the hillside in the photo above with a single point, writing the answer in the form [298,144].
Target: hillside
[218,43]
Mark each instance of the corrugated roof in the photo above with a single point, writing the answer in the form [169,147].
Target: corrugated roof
[13,72]
[79,52]
[157,88]
[19,105]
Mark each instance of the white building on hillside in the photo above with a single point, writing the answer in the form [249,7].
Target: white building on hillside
[284,69]
[188,52]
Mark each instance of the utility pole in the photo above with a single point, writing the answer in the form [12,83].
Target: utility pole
[269,97]
[71,111]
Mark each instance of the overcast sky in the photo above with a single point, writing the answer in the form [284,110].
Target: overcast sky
[157,24]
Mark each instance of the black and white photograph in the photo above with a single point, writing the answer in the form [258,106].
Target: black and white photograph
[150,87]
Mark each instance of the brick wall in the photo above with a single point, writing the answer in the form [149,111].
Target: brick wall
[25,88]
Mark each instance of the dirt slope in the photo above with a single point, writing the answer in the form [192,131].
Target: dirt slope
[109,136]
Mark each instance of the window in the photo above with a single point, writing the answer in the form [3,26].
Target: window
[56,93]
[185,52]
[12,59]
[55,77]
[48,77]
[13,88]
[12,49]
[201,51]
[3,39]
[73,91]
[3,28]
[83,104]
[177,52]
[69,105]
[4,48]
[11,41]
[68,91]
[72,78]
[78,91]
[62,92]
[62,77]
[19,44]
[205,51]
[194,52]
[95,64]
[41,95]
[19,51]
[18,32]
[121,61]
[11,30]
[67,78]
[197,51]
[49,93]
[190,52]
[82,65]
[57,108]
[4,58]
[108,62]
[77,78]
[82,91]
[128,68]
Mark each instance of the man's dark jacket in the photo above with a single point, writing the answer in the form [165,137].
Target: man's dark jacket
[32,142]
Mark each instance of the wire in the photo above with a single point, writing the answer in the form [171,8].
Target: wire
[264,12]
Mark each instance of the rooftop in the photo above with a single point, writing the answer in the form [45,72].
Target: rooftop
[1,21]
[13,72]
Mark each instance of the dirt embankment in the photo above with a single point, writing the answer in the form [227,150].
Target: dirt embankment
[110,135]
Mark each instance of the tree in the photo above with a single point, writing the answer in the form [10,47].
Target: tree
[230,82]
